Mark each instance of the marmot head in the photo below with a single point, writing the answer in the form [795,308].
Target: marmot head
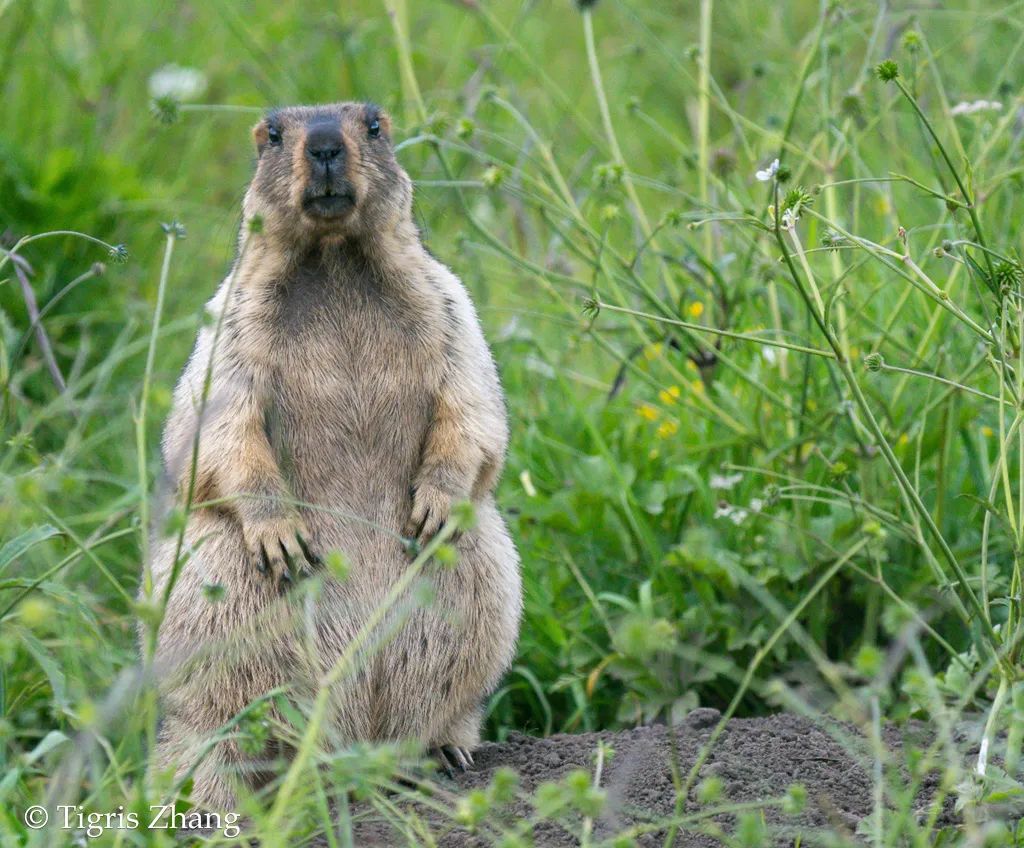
[327,171]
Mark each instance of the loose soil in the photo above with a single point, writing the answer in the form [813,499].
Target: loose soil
[755,759]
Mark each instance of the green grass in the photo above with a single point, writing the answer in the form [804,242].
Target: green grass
[753,466]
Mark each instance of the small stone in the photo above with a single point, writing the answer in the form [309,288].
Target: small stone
[702,717]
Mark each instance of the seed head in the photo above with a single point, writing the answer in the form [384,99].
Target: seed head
[438,124]
[175,229]
[838,469]
[493,176]
[911,41]
[796,199]
[833,240]
[165,109]
[723,162]
[874,362]
[608,175]
[852,106]
[887,71]
[1008,274]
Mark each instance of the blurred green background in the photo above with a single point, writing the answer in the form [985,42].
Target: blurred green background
[670,505]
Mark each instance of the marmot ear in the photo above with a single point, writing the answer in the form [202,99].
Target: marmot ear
[260,135]
[385,122]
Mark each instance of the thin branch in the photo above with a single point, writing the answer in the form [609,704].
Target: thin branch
[22,269]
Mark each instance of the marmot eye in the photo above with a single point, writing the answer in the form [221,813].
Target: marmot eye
[374,128]
[274,135]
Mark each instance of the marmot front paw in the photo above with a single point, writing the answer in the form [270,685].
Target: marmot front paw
[279,548]
[431,507]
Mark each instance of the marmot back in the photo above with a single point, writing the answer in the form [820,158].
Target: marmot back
[353,402]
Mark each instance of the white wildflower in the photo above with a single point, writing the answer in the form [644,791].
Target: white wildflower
[756,504]
[736,514]
[724,481]
[769,354]
[969,108]
[789,219]
[768,173]
[177,82]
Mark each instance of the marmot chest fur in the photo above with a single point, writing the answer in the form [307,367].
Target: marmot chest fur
[354,361]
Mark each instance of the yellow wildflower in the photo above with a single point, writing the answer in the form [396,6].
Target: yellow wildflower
[987,432]
[670,395]
[645,410]
[653,351]
[667,428]
[695,309]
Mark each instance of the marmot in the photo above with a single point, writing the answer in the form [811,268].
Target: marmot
[353,401]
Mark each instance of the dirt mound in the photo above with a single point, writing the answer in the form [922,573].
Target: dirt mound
[755,760]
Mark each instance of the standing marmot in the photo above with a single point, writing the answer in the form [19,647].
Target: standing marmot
[353,399]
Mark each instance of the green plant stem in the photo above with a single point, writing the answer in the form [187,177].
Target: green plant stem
[968,198]
[51,234]
[204,399]
[921,281]
[894,465]
[959,386]
[701,328]
[140,417]
[613,144]
[990,725]
[606,120]
[704,116]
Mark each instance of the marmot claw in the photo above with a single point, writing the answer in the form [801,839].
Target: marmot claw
[431,507]
[450,757]
[279,549]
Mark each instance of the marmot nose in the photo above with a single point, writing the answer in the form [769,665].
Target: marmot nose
[324,143]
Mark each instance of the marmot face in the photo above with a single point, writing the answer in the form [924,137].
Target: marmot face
[327,171]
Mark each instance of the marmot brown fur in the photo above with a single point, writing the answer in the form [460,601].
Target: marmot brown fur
[353,401]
